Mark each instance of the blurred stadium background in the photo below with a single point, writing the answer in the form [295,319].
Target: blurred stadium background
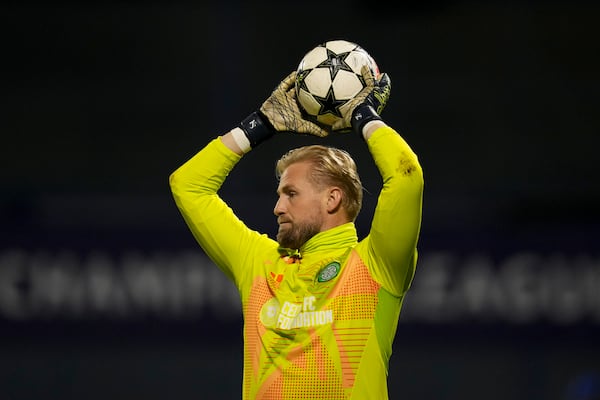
[103,292]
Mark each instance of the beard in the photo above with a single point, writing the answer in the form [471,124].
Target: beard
[296,235]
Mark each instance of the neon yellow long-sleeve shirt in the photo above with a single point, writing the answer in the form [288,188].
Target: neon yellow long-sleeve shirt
[321,327]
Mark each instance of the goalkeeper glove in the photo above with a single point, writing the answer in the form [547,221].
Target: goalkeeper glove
[279,113]
[367,105]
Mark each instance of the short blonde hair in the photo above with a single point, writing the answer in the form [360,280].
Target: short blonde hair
[330,167]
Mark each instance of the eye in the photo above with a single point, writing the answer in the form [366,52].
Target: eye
[287,191]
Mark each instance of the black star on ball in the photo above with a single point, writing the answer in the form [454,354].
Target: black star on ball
[335,62]
[329,104]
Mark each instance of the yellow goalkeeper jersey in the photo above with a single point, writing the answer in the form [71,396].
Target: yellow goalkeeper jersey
[319,322]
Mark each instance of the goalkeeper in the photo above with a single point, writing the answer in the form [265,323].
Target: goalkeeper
[320,307]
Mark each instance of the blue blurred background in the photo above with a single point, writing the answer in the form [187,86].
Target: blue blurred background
[103,291]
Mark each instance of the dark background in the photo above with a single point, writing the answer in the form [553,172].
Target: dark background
[102,101]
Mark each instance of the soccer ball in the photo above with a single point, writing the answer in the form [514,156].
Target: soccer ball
[328,76]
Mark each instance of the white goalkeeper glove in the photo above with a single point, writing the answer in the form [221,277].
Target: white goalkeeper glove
[279,113]
[367,105]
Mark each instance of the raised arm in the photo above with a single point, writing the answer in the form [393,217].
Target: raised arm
[195,185]
[392,240]
[215,227]
[390,248]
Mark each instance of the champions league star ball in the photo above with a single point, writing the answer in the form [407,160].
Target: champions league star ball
[329,76]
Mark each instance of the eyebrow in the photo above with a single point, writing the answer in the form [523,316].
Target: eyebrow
[286,188]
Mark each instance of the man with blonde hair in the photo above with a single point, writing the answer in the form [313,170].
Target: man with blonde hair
[320,307]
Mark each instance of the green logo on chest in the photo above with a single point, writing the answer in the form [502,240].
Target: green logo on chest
[330,271]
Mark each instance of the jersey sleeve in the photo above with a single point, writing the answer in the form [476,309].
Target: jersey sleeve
[391,246]
[226,240]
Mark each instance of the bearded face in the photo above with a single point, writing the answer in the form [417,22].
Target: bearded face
[299,209]
[293,234]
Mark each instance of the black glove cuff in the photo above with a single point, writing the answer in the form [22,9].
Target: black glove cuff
[361,115]
[257,128]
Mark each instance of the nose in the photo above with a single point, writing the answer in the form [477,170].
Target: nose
[278,209]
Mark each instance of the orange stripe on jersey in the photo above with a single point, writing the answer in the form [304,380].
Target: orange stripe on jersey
[356,281]
[351,342]
[254,330]
[354,302]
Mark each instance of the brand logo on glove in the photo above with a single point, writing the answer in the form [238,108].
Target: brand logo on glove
[382,98]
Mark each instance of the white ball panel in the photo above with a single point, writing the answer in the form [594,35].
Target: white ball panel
[346,85]
[313,58]
[340,46]
[308,102]
[357,59]
[318,81]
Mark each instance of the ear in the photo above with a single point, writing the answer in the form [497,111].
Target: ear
[334,200]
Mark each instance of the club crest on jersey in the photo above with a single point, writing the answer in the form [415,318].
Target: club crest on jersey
[330,271]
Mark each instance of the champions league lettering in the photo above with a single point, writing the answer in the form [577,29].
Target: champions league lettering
[294,315]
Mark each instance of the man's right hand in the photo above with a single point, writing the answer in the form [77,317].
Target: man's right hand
[283,111]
